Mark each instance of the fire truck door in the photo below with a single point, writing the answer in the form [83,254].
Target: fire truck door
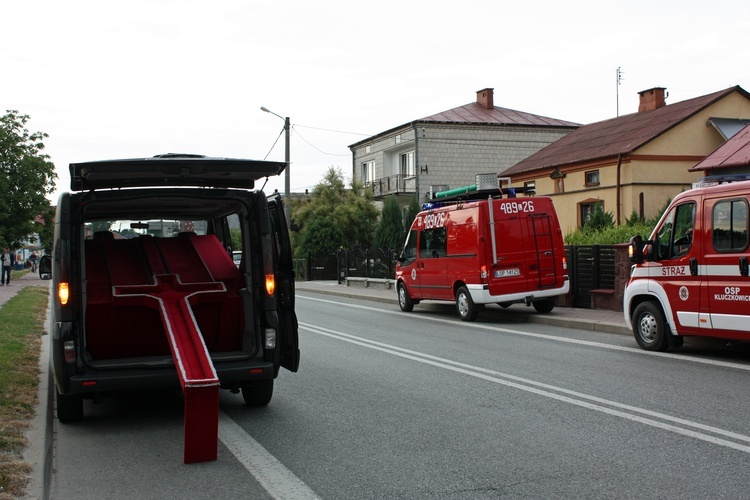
[728,290]
[676,270]
[510,274]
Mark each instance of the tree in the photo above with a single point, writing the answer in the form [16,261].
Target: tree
[27,177]
[411,213]
[349,216]
[599,219]
[389,234]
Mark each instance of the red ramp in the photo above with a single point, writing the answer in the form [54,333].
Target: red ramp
[200,384]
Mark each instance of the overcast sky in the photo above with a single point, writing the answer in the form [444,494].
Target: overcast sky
[123,79]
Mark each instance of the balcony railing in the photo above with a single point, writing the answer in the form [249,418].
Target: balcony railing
[395,184]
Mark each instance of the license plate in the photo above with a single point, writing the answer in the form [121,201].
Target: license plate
[504,273]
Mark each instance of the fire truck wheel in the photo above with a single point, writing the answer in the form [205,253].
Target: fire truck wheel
[69,407]
[257,393]
[544,306]
[649,327]
[467,310]
[404,301]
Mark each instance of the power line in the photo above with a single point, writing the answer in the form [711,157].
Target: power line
[315,147]
[331,130]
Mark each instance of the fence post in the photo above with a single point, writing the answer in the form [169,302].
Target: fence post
[309,267]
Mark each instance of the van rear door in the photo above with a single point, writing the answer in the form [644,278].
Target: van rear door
[510,271]
[288,341]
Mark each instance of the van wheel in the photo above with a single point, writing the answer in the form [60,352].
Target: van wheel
[69,407]
[257,393]
[544,306]
[467,310]
[649,327]
[404,301]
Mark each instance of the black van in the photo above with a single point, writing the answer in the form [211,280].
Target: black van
[146,292]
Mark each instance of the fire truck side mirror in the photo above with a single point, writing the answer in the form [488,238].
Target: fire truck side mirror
[635,250]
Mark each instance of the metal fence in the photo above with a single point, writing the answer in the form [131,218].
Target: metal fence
[352,262]
[590,267]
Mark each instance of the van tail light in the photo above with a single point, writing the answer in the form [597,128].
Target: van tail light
[565,263]
[483,272]
[63,293]
[270,284]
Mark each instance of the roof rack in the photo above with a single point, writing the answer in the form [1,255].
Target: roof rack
[464,194]
[713,180]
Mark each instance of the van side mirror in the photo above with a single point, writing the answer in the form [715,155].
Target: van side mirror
[639,250]
[45,267]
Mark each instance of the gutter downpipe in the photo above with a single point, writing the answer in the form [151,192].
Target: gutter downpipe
[619,165]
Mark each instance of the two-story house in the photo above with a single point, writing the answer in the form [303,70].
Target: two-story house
[634,162]
[448,149]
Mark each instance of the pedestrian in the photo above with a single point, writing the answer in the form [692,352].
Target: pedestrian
[7,259]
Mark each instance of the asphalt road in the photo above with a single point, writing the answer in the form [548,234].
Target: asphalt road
[394,405]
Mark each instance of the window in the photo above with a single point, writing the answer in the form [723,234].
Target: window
[586,210]
[675,236]
[368,172]
[407,164]
[592,178]
[432,243]
[729,226]
[409,253]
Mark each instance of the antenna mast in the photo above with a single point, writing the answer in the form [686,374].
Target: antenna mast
[617,88]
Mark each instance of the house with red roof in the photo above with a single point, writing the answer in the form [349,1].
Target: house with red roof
[635,162]
[730,159]
[449,149]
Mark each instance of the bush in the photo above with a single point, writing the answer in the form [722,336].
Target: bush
[607,235]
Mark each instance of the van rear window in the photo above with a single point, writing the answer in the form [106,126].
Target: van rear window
[730,226]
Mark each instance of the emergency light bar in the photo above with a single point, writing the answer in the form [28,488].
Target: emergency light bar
[713,180]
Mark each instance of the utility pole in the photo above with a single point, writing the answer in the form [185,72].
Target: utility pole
[287,174]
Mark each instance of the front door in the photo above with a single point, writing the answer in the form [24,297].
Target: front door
[675,270]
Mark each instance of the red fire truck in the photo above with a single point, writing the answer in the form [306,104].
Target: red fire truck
[691,276]
[484,247]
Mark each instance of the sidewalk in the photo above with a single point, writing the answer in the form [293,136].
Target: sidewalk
[598,320]
[28,279]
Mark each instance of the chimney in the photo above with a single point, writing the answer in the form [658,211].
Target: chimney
[484,98]
[652,99]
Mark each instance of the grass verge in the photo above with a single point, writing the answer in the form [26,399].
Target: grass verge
[21,329]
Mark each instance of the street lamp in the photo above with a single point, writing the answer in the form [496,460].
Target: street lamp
[287,180]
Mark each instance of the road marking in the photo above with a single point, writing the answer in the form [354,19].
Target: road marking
[276,479]
[589,343]
[614,408]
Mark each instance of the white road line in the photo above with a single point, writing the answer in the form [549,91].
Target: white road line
[599,345]
[616,409]
[276,479]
